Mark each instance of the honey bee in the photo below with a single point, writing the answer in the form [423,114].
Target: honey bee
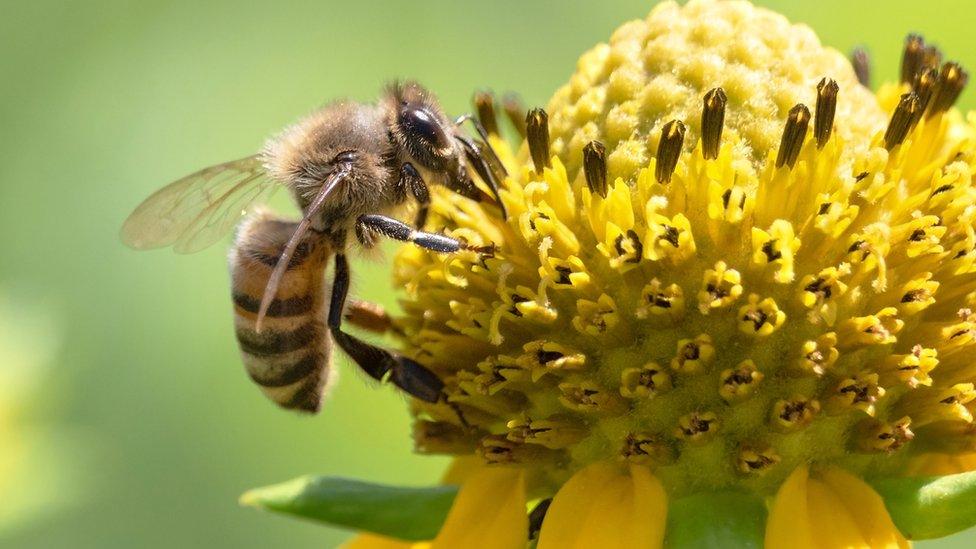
[348,165]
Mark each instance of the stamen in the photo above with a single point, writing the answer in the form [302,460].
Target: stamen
[876,436]
[816,356]
[912,58]
[720,287]
[668,150]
[586,396]
[515,110]
[906,114]
[795,413]
[756,459]
[496,449]
[552,433]
[739,382]
[692,355]
[537,130]
[925,83]
[823,125]
[952,80]
[696,426]
[644,382]
[861,61]
[760,317]
[646,449]
[484,103]
[860,391]
[658,299]
[712,122]
[595,167]
[794,133]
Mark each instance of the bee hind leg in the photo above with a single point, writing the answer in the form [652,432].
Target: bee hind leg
[377,362]
[369,316]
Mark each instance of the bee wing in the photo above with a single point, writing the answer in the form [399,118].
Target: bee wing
[197,210]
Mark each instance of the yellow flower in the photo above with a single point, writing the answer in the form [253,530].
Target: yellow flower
[728,267]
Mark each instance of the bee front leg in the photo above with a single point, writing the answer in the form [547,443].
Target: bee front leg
[367,226]
[375,361]
[411,180]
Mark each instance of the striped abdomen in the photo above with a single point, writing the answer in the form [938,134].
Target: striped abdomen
[290,358]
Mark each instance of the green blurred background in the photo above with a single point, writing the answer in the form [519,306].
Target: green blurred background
[101,102]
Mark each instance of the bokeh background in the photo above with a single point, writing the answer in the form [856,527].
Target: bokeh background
[126,418]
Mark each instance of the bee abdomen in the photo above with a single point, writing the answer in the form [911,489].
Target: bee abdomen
[289,359]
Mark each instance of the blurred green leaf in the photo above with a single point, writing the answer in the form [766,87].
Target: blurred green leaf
[406,513]
[719,520]
[930,507]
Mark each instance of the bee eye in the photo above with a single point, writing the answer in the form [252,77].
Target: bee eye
[346,156]
[418,123]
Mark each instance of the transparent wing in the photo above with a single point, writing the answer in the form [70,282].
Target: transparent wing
[196,211]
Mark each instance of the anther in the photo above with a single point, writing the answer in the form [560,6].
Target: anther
[515,111]
[740,381]
[537,132]
[496,449]
[753,459]
[552,433]
[692,355]
[585,396]
[823,124]
[643,382]
[874,436]
[595,167]
[795,413]
[644,449]
[669,149]
[862,66]
[712,122]
[696,426]
[925,84]
[952,79]
[902,120]
[484,103]
[859,391]
[794,133]
[912,57]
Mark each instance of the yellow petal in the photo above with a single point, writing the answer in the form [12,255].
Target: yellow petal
[937,465]
[788,524]
[489,512]
[607,505]
[373,541]
[834,510]
[867,506]
[461,468]
[832,523]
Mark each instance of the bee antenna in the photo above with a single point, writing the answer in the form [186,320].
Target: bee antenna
[271,290]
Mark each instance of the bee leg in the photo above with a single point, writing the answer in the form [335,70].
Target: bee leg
[369,225]
[369,316]
[375,361]
[411,179]
[492,155]
[484,169]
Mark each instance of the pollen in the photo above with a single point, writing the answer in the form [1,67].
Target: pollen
[724,258]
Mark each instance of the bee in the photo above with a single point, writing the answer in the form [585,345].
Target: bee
[348,166]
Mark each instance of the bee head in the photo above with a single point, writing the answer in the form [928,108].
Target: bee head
[420,128]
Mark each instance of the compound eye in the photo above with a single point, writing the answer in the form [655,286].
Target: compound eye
[418,123]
